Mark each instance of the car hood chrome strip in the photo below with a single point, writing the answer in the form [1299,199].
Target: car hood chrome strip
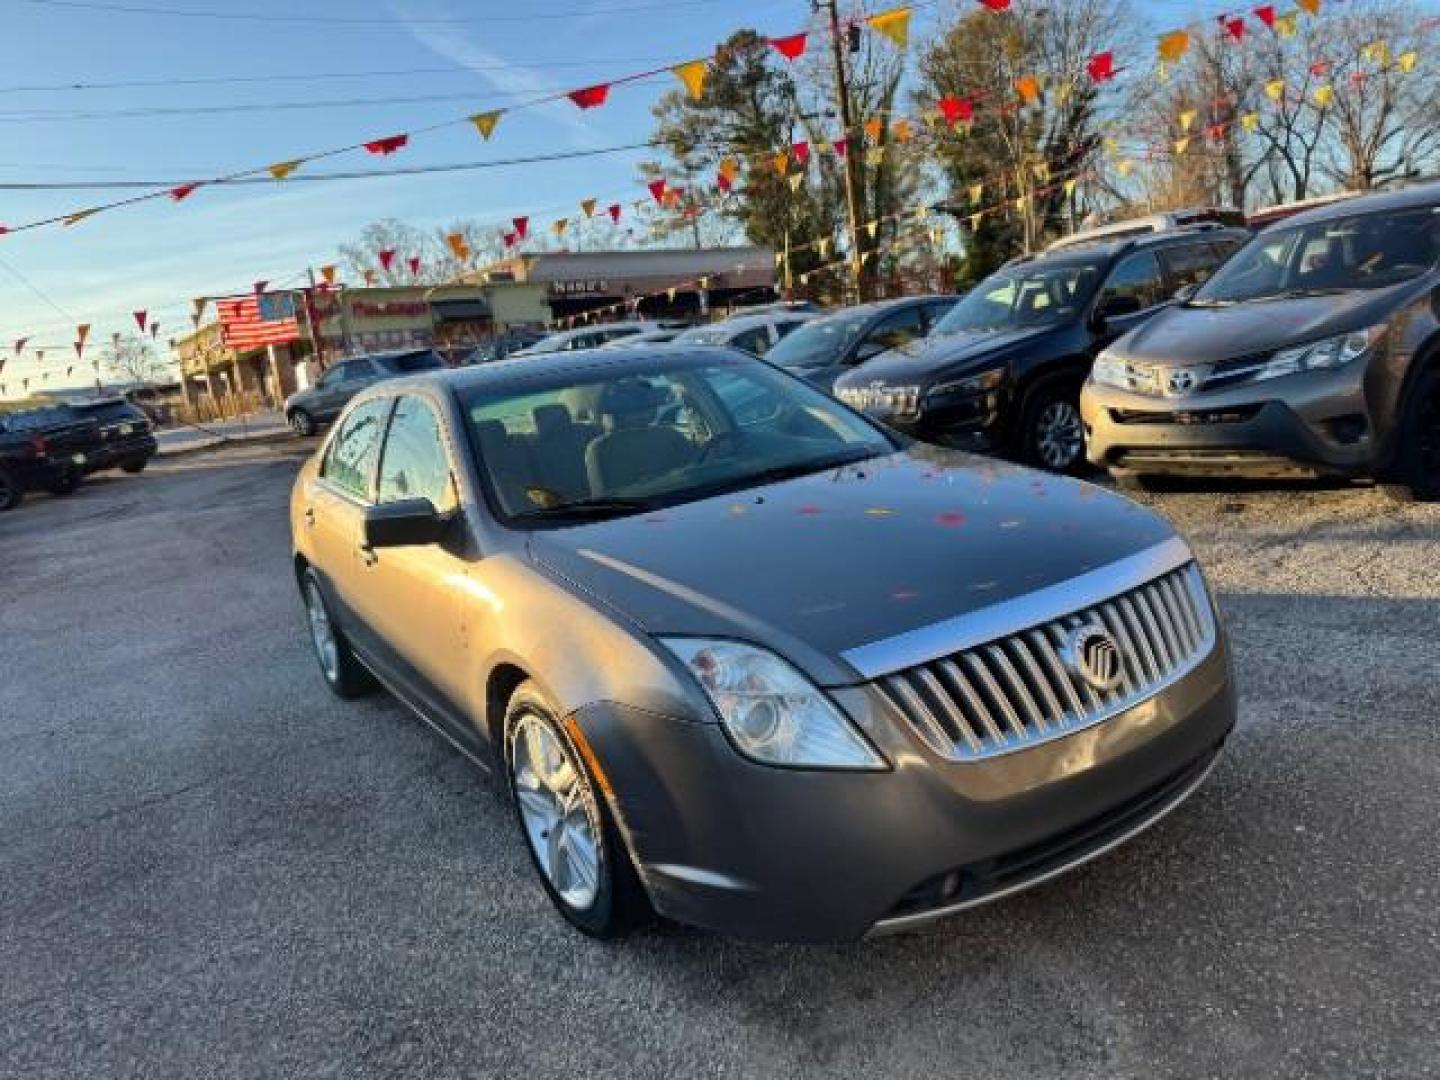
[927,643]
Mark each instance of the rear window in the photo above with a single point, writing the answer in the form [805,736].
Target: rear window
[109,411]
[411,362]
[47,416]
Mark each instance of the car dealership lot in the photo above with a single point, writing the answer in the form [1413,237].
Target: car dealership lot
[208,866]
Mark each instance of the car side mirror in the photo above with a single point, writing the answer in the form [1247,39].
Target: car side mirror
[1114,307]
[405,523]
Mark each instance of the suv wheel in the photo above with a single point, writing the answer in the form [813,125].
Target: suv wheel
[578,852]
[1415,475]
[64,484]
[1051,434]
[301,423]
[11,493]
[344,674]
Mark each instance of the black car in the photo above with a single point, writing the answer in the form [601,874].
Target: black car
[308,409]
[823,350]
[124,436]
[43,449]
[1003,370]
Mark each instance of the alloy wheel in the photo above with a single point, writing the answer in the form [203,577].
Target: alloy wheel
[557,810]
[1059,436]
[300,423]
[322,634]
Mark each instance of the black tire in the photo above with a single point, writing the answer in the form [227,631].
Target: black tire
[1050,435]
[618,902]
[302,423]
[11,493]
[133,467]
[1415,474]
[66,484]
[344,674]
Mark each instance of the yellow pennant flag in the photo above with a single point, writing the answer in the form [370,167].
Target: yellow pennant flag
[1070,187]
[975,220]
[1028,87]
[1125,167]
[874,156]
[282,169]
[485,123]
[327,272]
[77,217]
[796,179]
[1311,7]
[1041,171]
[872,227]
[977,192]
[693,75]
[894,24]
[1406,61]
[1275,89]
[1174,45]
[1324,95]
[874,128]
[1112,145]
[1377,52]
[558,226]
[587,207]
[1250,121]
[1020,202]
[1187,119]
[822,246]
[1181,145]
[1286,25]
[782,162]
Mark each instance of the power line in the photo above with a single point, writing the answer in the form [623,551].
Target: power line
[342,20]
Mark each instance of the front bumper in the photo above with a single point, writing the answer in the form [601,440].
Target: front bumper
[1303,425]
[751,851]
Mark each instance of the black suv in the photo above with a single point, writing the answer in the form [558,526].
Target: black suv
[1003,370]
[307,409]
[43,449]
[124,436]
[1314,351]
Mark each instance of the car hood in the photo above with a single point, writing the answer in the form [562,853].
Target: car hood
[818,565]
[1187,335]
[947,354]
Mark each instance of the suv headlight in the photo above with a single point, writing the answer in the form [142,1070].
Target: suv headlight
[1325,355]
[974,384]
[771,712]
[1110,370]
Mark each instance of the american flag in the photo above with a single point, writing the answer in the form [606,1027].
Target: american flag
[242,325]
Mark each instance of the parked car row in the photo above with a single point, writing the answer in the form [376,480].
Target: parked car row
[54,446]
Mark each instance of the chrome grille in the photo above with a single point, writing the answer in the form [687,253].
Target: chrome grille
[1019,691]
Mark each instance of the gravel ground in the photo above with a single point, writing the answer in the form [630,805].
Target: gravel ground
[209,867]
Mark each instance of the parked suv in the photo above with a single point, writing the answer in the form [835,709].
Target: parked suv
[1003,370]
[308,409]
[1314,351]
[826,348]
[43,449]
[124,435]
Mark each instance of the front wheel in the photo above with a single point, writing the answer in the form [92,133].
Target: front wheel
[302,423]
[344,674]
[1051,434]
[64,484]
[1415,475]
[576,849]
[134,467]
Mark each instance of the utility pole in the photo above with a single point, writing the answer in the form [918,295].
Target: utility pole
[852,159]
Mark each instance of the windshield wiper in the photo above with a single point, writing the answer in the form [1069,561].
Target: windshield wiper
[1192,302]
[799,468]
[587,508]
[1300,294]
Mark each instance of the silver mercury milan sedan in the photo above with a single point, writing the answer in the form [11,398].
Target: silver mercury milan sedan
[743,657]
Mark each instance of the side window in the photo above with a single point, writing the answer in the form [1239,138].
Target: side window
[783,328]
[751,404]
[333,377]
[937,310]
[899,327]
[350,458]
[356,370]
[414,464]
[1136,283]
[756,341]
[1190,264]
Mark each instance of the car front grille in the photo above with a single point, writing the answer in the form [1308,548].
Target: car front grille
[1021,690]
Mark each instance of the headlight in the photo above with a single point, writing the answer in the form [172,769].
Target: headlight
[1110,370]
[974,384]
[770,710]
[1323,355]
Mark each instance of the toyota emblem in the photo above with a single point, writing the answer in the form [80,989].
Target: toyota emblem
[1092,654]
[1181,381]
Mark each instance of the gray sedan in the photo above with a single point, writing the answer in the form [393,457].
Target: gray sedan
[747,660]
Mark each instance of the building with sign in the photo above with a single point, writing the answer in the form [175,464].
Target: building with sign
[666,283]
[220,379]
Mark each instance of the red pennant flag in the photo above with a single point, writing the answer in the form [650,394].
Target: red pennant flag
[792,47]
[183,191]
[79,348]
[4,229]
[723,182]
[140,320]
[1266,15]
[20,344]
[658,188]
[509,238]
[1101,67]
[522,227]
[1216,131]
[1320,68]
[801,150]
[590,97]
[841,147]
[386,256]
[414,263]
[954,109]
[996,5]
[1234,26]
[614,211]
[1359,78]
[387,145]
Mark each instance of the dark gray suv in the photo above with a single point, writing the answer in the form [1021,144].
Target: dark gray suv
[308,409]
[1314,351]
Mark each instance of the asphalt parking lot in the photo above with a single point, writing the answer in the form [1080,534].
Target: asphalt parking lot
[209,867]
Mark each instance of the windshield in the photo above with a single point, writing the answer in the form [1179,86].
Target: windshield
[821,341]
[1363,251]
[652,435]
[1033,294]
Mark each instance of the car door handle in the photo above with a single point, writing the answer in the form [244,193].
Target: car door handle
[310,516]
[368,555]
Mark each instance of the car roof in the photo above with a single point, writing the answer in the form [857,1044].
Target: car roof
[737,323]
[1409,198]
[1109,249]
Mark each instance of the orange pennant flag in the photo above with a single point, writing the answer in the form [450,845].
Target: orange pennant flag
[587,206]
[77,217]
[328,273]
[485,123]
[902,130]
[729,168]
[82,332]
[782,162]
[282,169]
[894,24]
[1174,45]
[558,226]
[874,128]
[693,75]
[1028,87]
[1311,7]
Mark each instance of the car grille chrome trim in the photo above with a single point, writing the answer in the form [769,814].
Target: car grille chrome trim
[1018,691]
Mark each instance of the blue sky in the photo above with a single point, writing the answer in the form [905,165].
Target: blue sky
[157,255]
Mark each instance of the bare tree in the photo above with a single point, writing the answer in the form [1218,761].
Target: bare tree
[133,358]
